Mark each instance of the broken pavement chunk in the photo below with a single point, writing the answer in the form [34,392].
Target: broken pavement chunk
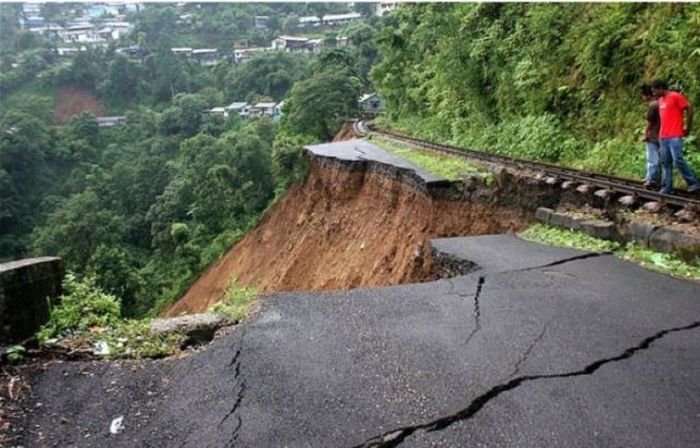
[198,328]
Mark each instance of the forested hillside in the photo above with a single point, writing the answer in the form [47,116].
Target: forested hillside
[555,82]
[144,208]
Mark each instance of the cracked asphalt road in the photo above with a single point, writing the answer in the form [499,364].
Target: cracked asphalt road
[540,347]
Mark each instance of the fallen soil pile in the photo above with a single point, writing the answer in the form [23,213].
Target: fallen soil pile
[72,101]
[346,228]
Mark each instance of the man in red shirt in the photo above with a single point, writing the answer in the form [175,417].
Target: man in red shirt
[672,107]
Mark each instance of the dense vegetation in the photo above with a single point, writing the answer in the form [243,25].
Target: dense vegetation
[555,82]
[143,208]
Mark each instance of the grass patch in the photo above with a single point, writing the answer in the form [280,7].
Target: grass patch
[657,261]
[449,167]
[236,302]
[554,236]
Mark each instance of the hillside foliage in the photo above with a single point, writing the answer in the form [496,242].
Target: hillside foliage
[140,210]
[553,82]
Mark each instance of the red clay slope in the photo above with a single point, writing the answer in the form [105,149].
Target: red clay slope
[71,101]
[344,229]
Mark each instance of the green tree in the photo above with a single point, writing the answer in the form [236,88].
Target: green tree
[123,81]
[77,228]
[270,74]
[319,105]
[288,161]
[185,116]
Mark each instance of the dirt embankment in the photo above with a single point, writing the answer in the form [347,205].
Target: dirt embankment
[345,228]
[72,101]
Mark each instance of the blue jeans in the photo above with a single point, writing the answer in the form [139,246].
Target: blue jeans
[672,152]
[652,162]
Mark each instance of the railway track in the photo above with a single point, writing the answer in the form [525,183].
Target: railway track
[605,186]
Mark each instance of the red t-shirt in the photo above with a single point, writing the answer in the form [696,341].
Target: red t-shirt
[671,108]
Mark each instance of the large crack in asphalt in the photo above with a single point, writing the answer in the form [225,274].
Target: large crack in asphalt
[397,436]
[239,396]
[529,349]
[240,388]
[477,309]
[563,261]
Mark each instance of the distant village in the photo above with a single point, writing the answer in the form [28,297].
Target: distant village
[370,104]
[99,24]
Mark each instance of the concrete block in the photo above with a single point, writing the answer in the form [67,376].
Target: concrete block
[562,220]
[543,214]
[640,232]
[664,239]
[26,288]
[597,228]
[199,328]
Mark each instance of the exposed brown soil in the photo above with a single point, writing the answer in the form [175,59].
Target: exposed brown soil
[346,132]
[346,229]
[72,101]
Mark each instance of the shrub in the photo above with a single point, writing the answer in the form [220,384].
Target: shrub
[82,306]
[236,302]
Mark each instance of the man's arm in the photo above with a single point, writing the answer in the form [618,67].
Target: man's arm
[688,120]
[647,131]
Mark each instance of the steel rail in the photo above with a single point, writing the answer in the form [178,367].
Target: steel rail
[613,183]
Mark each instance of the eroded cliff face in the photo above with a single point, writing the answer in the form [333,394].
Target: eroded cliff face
[349,225]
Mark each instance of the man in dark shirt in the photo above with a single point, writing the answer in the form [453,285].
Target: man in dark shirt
[651,137]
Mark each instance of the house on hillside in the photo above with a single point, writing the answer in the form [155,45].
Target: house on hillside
[381,8]
[50,31]
[290,44]
[134,52]
[205,56]
[340,19]
[309,21]
[108,122]
[69,51]
[115,29]
[219,112]
[240,108]
[294,44]
[34,22]
[371,104]
[31,9]
[182,51]
[244,54]
[262,22]
[262,110]
[85,33]
[277,111]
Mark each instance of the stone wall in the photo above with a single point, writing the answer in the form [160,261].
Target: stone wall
[26,286]
[655,237]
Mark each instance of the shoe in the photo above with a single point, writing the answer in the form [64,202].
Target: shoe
[694,188]
[650,185]
[662,191]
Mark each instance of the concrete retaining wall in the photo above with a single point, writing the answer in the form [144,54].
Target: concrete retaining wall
[26,286]
[658,238]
